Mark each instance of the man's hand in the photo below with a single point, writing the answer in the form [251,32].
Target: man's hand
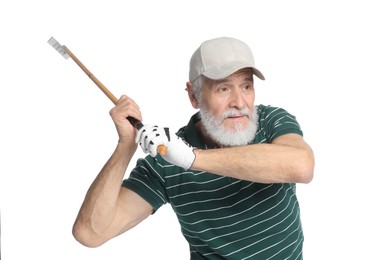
[178,153]
[124,108]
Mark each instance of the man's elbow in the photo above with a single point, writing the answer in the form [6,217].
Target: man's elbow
[86,237]
[306,176]
[305,171]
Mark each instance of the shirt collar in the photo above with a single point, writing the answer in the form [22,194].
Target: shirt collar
[190,133]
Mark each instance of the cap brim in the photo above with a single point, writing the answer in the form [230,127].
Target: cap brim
[258,74]
[225,72]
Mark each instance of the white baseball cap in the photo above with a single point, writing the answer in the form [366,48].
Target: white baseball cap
[220,57]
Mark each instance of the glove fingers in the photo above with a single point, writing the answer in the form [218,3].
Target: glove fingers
[141,138]
[149,137]
[150,143]
[141,133]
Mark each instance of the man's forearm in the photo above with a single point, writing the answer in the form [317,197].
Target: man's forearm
[264,163]
[100,203]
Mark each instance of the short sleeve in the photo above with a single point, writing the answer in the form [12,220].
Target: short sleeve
[146,181]
[277,121]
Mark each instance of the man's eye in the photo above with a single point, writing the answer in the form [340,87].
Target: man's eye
[247,86]
[222,89]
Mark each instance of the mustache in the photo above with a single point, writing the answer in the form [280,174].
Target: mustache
[235,112]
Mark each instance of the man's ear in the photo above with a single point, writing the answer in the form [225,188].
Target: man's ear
[192,98]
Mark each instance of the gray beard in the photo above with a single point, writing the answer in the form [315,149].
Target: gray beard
[216,130]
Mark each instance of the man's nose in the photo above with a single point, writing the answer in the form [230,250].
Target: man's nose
[236,99]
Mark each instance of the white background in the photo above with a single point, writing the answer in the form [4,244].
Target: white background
[322,60]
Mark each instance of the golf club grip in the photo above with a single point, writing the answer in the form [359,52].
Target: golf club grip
[161,149]
[135,123]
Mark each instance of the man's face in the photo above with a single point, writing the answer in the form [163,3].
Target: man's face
[227,108]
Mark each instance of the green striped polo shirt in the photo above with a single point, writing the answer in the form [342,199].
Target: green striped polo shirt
[223,217]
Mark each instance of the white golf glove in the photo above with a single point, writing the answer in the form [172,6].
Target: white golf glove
[179,152]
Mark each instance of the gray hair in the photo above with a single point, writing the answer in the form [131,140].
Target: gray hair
[197,85]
